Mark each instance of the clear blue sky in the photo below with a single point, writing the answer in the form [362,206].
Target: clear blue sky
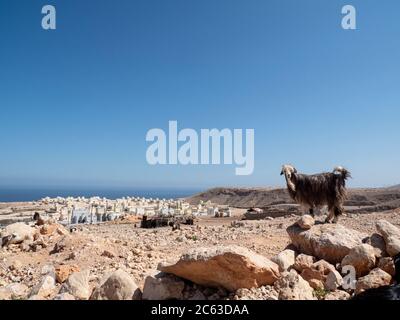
[76,103]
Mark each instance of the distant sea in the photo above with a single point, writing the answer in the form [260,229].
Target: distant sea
[27,194]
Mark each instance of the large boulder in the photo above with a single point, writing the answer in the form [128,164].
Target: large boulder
[331,242]
[376,278]
[119,285]
[362,258]
[231,267]
[77,285]
[291,286]
[18,232]
[285,259]
[391,234]
[161,286]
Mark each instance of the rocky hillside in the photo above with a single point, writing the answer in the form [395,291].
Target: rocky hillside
[359,201]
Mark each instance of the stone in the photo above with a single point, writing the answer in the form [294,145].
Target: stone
[378,243]
[19,231]
[62,272]
[316,284]
[231,267]
[45,288]
[376,278]
[5,294]
[108,254]
[337,295]
[391,235]
[47,229]
[160,286]
[317,273]
[61,244]
[333,281]
[331,242]
[285,259]
[362,258]
[77,285]
[387,265]
[291,286]
[303,261]
[16,265]
[306,222]
[119,285]
[64,296]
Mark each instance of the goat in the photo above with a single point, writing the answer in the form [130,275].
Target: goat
[316,190]
[391,292]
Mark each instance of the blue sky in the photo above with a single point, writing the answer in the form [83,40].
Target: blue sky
[76,103]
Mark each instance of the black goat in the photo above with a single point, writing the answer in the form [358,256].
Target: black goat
[316,190]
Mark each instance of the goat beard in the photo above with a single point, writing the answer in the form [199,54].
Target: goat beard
[290,184]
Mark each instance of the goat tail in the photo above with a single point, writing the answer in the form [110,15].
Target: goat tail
[344,173]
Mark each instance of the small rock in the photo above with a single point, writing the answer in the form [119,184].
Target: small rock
[160,286]
[333,280]
[303,261]
[64,296]
[63,272]
[119,285]
[387,265]
[337,295]
[362,258]
[45,288]
[284,259]
[306,222]
[77,284]
[391,234]
[108,254]
[376,278]
[293,287]
[378,243]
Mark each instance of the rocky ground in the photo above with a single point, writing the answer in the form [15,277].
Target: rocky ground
[86,263]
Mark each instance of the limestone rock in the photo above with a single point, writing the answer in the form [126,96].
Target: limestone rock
[64,296]
[378,242]
[333,280]
[45,288]
[291,286]
[62,272]
[331,242]
[303,261]
[362,258]
[376,278]
[306,222]
[77,285]
[387,265]
[160,286]
[391,234]
[284,259]
[19,231]
[119,285]
[337,295]
[231,267]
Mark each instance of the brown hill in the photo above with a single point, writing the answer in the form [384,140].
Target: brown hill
[359,200]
